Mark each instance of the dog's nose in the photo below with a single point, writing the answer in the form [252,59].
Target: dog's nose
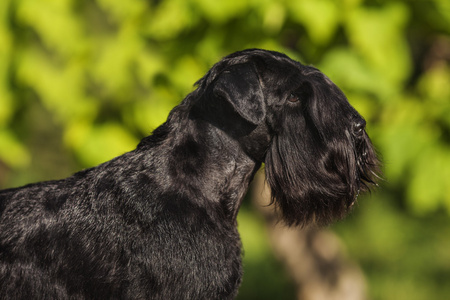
[358,126]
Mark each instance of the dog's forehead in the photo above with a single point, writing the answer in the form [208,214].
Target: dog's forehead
[291,72]
[285,76]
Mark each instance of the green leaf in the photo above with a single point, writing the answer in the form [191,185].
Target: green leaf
[349,70]
[429,187]
[104,142]
[404,136]
[152,112]
[56,24]
[122,11]
[221,11]
[274,17]
[60,89]
[434,84]
[112,65]
[320,17]
[169,19]
[378,35]
[12,152]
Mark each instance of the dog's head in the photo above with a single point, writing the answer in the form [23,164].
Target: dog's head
[317,154]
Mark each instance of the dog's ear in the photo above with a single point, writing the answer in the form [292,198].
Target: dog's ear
[240,86]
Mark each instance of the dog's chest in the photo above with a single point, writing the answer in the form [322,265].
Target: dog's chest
[182,258]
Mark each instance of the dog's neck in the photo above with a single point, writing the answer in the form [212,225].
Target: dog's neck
[194,158]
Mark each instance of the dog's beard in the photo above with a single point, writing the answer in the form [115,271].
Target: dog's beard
[317,182]
[368,165]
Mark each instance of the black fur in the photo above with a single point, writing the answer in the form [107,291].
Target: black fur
[159,222]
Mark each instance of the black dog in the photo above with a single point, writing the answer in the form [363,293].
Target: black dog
[159,222]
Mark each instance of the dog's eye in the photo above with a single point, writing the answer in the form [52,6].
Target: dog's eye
[293,98]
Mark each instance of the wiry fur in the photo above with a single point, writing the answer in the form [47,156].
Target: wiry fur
[159,222]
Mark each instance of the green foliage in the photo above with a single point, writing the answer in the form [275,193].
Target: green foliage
[107,72]
[259,263]
[405,258]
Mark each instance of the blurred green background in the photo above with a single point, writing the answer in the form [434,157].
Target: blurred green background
[81,81]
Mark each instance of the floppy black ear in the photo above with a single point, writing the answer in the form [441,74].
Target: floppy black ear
[240,86]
